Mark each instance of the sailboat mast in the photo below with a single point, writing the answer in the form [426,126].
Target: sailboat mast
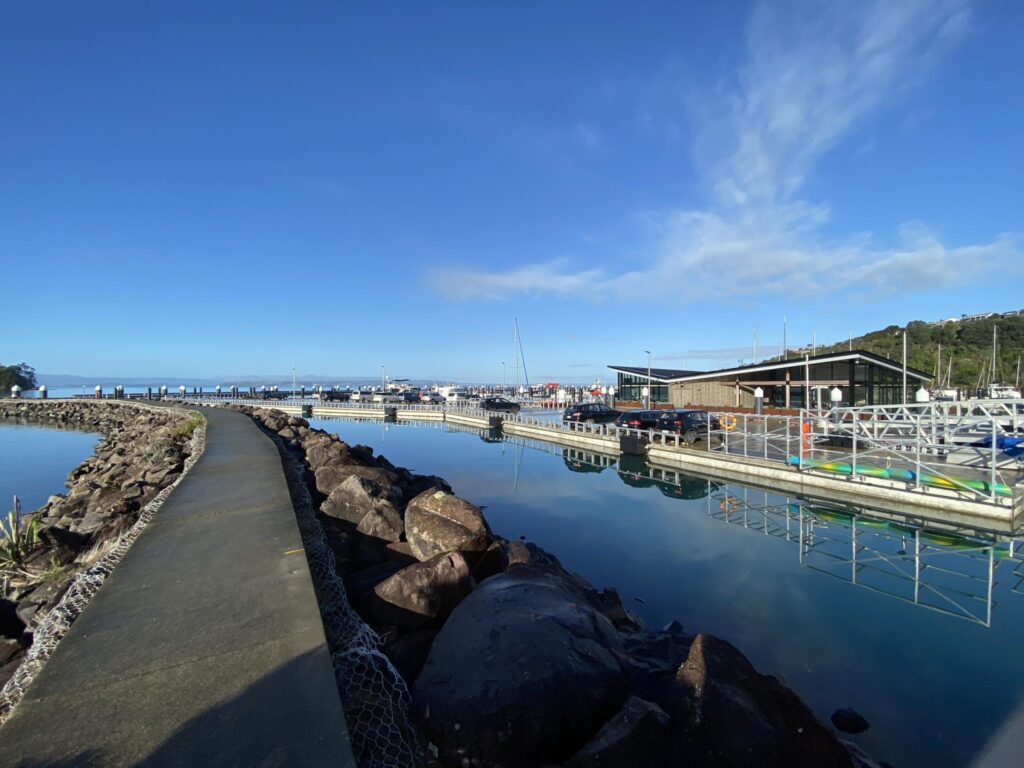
[526,375]
[938,367]
[515,345]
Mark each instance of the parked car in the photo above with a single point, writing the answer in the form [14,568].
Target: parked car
[433,398]
[639,419]
[692,424]
[596,413]
[410,397]
[335,396]
[499,404]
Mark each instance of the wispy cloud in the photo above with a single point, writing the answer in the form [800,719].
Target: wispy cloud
[812,76]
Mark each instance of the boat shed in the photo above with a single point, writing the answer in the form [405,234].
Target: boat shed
[863,378]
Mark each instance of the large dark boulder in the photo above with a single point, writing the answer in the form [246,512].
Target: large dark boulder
[355,497]
[437,522]
[730,715]
[423,593]
[849,720]
[523,673]
[331,476]
[633,738]
[382,522]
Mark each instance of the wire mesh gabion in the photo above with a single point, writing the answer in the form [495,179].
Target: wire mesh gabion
[375,698]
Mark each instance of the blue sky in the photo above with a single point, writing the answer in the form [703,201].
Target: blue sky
[223,189]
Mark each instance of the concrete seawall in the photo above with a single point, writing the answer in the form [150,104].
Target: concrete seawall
[205,645]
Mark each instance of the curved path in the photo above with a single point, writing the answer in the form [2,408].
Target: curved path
[205,646]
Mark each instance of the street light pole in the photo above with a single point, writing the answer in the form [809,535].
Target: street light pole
[503,377]
[904,365]
[649,388]
[293,382]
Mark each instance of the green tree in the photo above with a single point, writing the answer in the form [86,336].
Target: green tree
[22,374]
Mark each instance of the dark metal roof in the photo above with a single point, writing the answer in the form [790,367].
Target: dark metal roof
[661,374]
[667,374]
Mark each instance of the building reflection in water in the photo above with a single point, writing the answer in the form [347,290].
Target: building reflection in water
[930,563]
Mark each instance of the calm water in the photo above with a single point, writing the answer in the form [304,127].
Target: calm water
[935,678]
[34,462]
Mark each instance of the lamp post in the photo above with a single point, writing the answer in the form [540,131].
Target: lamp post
[904,365]
[293,382]
[647,394]
[503,377]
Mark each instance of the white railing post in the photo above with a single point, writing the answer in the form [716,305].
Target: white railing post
[800,437]
[853,460]
[992,489]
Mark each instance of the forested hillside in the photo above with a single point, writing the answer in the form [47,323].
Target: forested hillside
[969,342]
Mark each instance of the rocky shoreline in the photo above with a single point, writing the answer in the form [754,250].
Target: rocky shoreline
[511,660]
[143,452]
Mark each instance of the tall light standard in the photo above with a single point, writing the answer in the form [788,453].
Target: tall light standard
[647,403]
[503,377]
[293,382]
[904,365]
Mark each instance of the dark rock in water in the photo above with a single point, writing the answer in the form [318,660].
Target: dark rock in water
[408,652]
[633,738]
[354,498]
[490,563]
[364,454]
[673,628]
[731,715]
[652,659]
[437,522]
[417,484]
[423,593]
[849,720]
[516,552]
[523,673]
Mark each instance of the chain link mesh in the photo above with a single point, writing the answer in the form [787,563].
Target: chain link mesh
[374,696]
[55,625]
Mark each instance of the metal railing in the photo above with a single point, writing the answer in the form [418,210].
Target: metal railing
[965,450]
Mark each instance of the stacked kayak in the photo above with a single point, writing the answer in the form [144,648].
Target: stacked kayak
[903,475]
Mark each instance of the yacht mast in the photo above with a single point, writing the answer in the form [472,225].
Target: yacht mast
[515,345]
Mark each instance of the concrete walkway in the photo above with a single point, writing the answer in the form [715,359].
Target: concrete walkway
[205,646]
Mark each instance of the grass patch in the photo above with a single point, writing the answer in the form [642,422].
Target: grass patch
[187,427]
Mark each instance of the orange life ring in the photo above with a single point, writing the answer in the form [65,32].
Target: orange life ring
[728,422]
[728,505]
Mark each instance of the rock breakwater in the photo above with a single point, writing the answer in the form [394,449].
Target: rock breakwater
[512,660]
[144,452]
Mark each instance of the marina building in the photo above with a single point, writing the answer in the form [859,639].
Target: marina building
[862,377]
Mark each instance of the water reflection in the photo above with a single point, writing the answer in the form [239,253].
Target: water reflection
[915,622]
[926,563]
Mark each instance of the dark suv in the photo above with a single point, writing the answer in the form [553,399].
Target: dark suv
[692,424]
[335,396]
[639,419]
[598,413]
[499,404]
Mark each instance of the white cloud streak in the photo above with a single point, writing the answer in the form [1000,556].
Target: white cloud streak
[812,76]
